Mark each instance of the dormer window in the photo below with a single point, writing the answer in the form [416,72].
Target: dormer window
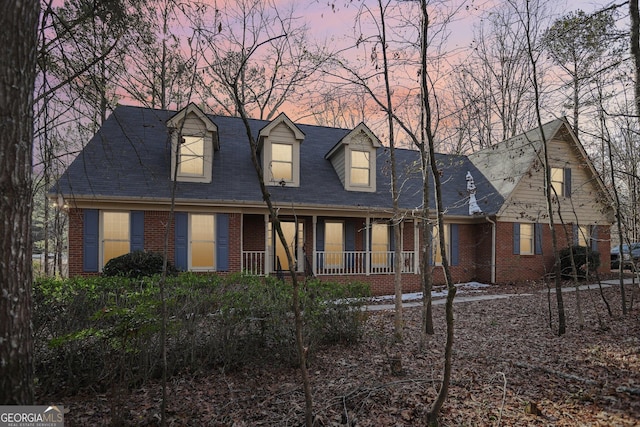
[191,156]
[360,168]
[354,159]
[281,162]
[279,147]
[194,138]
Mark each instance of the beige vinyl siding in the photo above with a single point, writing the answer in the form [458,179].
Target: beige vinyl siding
[338,161]
[528,203]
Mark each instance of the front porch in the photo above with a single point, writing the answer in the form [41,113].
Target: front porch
[327,246]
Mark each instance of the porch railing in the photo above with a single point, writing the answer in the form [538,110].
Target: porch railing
[339,263]
[253,262]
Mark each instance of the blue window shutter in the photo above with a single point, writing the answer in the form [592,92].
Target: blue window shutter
[575,234]
[350,242]
[91,240]
[516,238]
[455,252]
[181,240]
[320,241]
[222,242]
[594,237]
[537,230]
[137,231]
[567,182]
[349,236]
[392,240]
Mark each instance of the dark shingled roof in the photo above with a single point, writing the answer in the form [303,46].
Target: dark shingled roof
[129,158]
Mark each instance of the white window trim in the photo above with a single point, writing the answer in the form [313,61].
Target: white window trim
[269,171]
[101,238]
[371,187]
[190,245]
[532,239]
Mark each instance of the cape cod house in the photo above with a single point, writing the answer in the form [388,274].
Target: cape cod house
[332,191]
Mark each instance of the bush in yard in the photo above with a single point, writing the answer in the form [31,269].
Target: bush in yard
[137,264]
[103,330]
[584,258]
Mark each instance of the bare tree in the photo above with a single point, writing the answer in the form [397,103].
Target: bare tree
[18,27]
[269,77]
[261,28]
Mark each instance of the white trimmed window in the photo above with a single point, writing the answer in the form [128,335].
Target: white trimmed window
[557,181]
[527,244]
[281,162]
[437,256]
[191,156]
[379,245]
[114,229]
[333,244]
[202,242]
[360,168]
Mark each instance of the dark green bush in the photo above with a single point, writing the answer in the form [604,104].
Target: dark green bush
[103,330]
[136,264]
[586,261]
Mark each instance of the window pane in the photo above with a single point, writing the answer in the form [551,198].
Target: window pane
[281,170]
[112,249]
[281,152]
[333,244]
[202,254]
[203,241]
[193,146]
[360,159]
[360,176]
[526,239]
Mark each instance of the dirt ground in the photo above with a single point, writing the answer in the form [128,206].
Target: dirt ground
[509,369]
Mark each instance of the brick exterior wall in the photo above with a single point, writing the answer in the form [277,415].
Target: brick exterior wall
[247,232]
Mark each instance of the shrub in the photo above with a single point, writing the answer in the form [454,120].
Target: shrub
[136,264]
[583,256]
[108,328]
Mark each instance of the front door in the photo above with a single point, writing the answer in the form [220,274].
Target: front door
[293,239]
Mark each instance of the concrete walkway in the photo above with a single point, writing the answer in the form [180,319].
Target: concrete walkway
[462,298]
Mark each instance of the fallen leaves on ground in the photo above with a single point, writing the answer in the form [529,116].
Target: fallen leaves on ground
[509,369]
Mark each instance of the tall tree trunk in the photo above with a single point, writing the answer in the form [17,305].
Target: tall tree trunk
[562,324]
[434,411]
[397,259]
[634,14]
[18,31]
[425,121]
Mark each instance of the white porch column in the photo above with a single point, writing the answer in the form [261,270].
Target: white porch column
[267,255]
[314,261]
[416,246]
[367,249]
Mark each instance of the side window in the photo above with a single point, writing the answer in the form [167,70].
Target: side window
[435,247]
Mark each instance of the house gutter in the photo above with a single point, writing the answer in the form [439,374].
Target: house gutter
[493,249]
